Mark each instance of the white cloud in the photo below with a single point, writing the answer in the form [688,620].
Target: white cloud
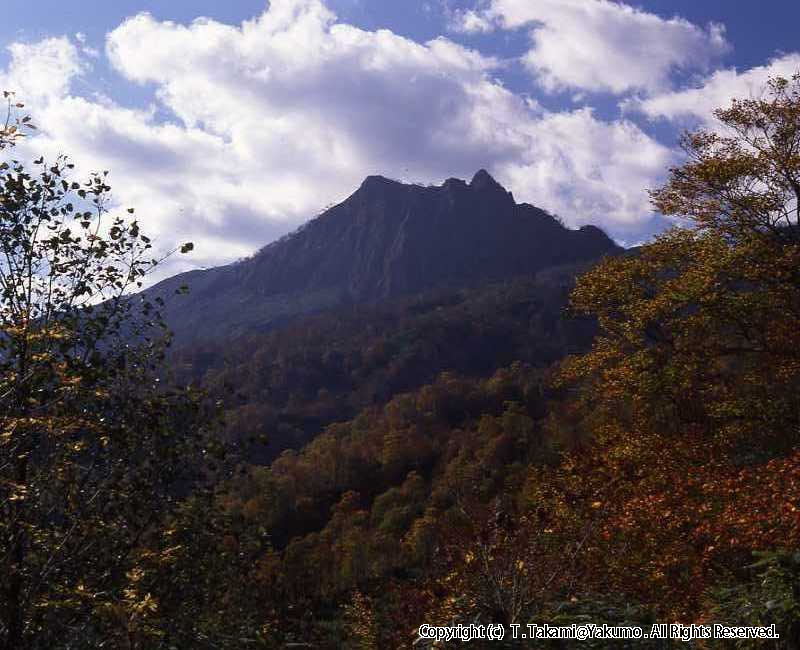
[583,167]
[470,21]
[600,45]
[715,91]
[270,120]
[43,69]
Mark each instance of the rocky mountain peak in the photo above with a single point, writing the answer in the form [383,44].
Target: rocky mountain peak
[387,239]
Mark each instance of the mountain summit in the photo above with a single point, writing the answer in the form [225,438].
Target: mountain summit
[387,239]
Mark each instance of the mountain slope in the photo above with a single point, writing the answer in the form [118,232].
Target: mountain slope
[288,384]
[387,239]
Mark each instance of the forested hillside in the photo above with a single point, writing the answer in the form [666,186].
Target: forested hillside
[285,386]
[657,477]
[651,477]
[607,439]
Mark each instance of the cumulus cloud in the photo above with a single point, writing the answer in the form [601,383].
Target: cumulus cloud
[585,167]
[43,69]
[255,127]
[717,90]
[600,45]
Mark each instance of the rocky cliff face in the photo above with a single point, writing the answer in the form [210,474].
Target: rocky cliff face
[387,239]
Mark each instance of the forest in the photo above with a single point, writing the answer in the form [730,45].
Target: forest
[614,443]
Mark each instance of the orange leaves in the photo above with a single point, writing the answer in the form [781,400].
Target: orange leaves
[678,509]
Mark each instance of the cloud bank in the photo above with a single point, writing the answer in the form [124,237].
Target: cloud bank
[696,104]
[599,45]
[253,128]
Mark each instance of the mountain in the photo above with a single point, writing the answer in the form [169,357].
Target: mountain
[387,239]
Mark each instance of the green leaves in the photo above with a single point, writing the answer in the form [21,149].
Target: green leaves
[764,593]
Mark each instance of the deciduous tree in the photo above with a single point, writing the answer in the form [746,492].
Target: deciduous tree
[93,453]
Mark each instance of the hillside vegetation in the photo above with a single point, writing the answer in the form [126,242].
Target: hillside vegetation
[618,448]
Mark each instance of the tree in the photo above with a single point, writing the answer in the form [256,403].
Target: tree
[701,327]
[742,180]
[93,453]
[691,392]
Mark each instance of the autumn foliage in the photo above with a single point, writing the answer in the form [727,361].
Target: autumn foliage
[652,475]
[690,392]
[666,458]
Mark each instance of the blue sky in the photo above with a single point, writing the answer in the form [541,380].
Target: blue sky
[229,123]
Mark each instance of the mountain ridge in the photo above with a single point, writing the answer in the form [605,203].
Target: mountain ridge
[387,239]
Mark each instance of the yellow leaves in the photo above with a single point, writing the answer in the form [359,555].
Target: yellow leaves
[135,574]
[140,605]
[137,604]
[16,491]
[146,604]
